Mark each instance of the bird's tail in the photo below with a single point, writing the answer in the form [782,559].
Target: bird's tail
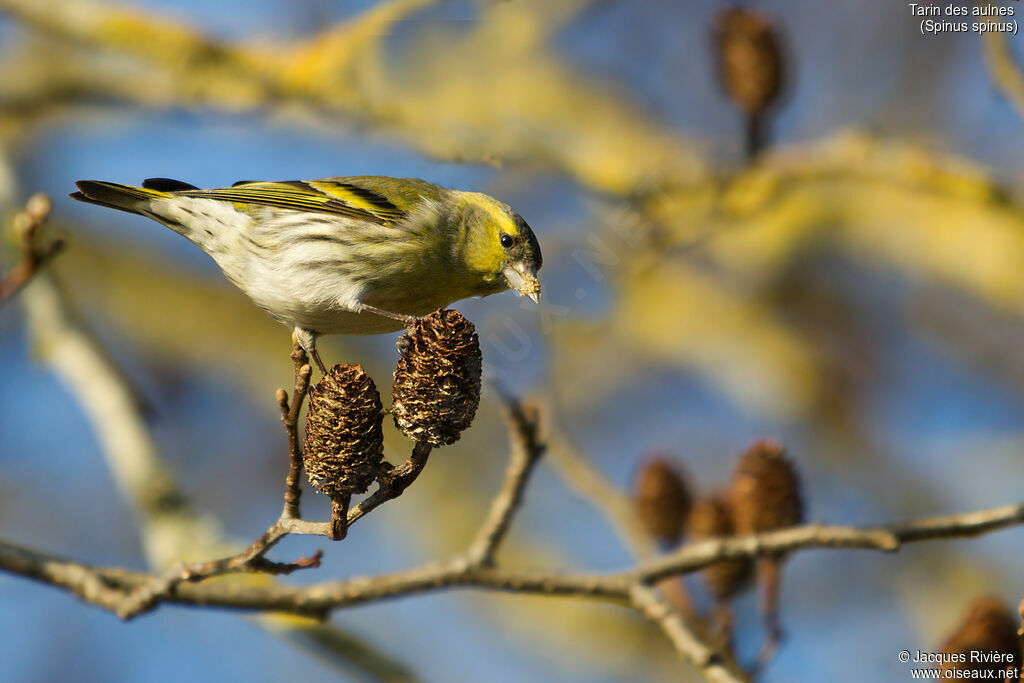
[116,196]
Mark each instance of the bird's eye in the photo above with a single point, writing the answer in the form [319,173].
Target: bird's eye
[506,240]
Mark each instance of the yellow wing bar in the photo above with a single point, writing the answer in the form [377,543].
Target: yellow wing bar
[318,196]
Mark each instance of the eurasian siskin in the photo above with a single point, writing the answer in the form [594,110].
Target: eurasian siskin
[353,255]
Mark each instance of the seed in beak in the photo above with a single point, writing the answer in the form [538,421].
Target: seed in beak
[524,282]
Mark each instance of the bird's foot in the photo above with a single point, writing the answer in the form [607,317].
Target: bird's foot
[307,340]
[319,363]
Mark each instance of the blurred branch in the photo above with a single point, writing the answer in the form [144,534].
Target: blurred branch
[659,611]
[444,106]
[579,474]
[1003,68]
[526,453]
[34,256]
[192,67]
[881,203]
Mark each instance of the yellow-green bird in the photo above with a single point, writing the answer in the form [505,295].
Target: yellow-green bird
[351,255]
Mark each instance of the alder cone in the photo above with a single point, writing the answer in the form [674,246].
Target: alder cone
[662,501]
[344,439]
[437,380]
[765,490]
[711,517]
[750,62]
[988,626]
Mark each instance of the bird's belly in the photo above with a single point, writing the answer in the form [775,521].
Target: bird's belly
[326,304]
[347,322]
[340,320]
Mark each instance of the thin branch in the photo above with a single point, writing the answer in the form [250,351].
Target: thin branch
[320,598]
[695,556]
[653,606]
[34,256]
[290,417]
[526,453]
[580,475]
[1003,68]
[119,590]
[769,578]
[392,482]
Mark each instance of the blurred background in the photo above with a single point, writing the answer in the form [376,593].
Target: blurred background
[855,291]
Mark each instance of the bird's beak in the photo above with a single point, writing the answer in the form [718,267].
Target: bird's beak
[523,279]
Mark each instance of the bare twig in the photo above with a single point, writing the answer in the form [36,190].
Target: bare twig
[290,417]
[653,606]
[1003,68]
[580,475]
[614,587]
[769,570]
[253,559]
[392,481]
[116,589]
[527,451]
[33,255]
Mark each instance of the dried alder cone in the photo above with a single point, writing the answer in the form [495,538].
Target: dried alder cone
[711,517]
[437,380]
[662,501]
[344,441]
[988,627]
[765,490]
[749,55]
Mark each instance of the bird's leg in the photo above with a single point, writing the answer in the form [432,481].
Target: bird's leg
[400,317]
[316,358]
[307,340]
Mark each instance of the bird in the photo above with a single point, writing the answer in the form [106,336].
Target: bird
[343,255]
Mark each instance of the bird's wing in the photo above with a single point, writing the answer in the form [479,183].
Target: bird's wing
[321,196]
[407,194]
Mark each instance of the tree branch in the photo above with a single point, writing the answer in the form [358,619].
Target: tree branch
[33,255]
[1003,68]
[614,587]
[580,475]
[119,590]
[290,417]
[527,450]
[658,610]
[392,482]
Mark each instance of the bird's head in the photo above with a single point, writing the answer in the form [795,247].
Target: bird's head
[497,246]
